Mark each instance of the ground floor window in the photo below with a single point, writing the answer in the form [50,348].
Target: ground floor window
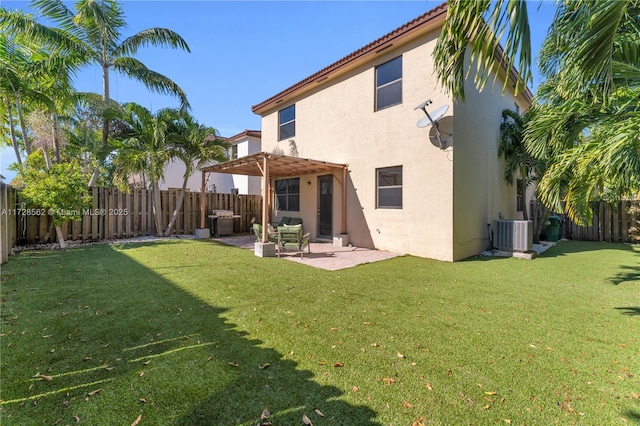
[389,188]
[288,194]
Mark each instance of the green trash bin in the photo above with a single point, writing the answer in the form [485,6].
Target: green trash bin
[551,232]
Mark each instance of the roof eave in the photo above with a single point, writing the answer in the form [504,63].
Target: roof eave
[422,24]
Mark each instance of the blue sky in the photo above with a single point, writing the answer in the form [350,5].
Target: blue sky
[243,52]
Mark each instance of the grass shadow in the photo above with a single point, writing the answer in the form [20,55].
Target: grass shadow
[630,274]
[629,310]
[102,339]
[634,416]
[568,247]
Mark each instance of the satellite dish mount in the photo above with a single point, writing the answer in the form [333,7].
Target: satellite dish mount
[433,119]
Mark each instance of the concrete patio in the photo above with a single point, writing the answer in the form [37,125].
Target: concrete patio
[323,255]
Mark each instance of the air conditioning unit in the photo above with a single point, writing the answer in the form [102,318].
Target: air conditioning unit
[515,235]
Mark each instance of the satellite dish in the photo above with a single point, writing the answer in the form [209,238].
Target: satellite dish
[432,119]
[424,104]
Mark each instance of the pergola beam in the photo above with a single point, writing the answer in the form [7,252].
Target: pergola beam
[271,166]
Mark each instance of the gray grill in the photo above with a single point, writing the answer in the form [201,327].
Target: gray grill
[221,222]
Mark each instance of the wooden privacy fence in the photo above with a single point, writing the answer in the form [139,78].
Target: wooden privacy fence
[615,223]
[115,214]
[8,236]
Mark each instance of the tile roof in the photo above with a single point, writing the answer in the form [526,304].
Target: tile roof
[435,16]
[385,41]
[246,133]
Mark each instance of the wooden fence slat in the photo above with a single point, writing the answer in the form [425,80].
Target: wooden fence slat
[105,219]
[624,221]
[118,212]
[5,223]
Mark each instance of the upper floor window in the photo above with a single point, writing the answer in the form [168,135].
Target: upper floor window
[234,152]
[288,194]
[389,84]
[389,188]
[287,122]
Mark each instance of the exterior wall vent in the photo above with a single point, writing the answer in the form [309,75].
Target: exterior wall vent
[515,235]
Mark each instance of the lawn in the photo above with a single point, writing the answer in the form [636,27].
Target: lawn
[199,333]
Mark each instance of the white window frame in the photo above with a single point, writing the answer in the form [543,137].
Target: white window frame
[384,187]
[387,84]
[289,122]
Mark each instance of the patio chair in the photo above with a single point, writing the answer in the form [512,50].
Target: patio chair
[286,220]
[291,238]
[272,236]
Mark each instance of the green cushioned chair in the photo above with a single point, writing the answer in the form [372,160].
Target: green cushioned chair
[286,220]
[257,232]
[291,238]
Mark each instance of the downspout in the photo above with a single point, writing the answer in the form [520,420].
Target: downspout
[344,200]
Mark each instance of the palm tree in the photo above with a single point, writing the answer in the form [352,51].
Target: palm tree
[95,31]
[519,166]
[520,163]
[82,132]
[587,118]
[35,73]
[144,150]
[195,145]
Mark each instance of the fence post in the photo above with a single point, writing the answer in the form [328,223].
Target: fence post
[98,224]
[4,224]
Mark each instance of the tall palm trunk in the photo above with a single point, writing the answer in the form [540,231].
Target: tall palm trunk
[23,126]
[60,235]
[56,137]
[94,177]
[176,211]
[157,208]
[12,132]
[105,98]
[47,157]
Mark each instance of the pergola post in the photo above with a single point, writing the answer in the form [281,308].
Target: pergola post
[265,198]
[203,200]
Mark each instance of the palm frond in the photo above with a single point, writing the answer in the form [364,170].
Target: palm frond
[466,27]
[56,10]
[101,21]
[154,81]
[159,37]
[18,24]
[588,45]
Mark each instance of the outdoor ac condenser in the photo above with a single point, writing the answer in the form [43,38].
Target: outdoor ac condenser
[516,235]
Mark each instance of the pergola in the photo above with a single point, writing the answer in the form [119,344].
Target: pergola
[274,166]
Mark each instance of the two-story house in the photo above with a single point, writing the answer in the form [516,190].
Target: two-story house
[244,143]
[349,150]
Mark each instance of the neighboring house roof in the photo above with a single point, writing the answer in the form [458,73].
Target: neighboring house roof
[421,25]
[245,134]
[209,138]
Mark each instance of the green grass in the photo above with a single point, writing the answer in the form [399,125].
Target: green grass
[176,332]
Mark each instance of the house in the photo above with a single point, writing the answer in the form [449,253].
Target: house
[350,151]
[244,143]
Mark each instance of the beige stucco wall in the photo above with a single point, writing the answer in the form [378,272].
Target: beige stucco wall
[338,124]
[481,194]
[447,205]
[247,184]
[175,169]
